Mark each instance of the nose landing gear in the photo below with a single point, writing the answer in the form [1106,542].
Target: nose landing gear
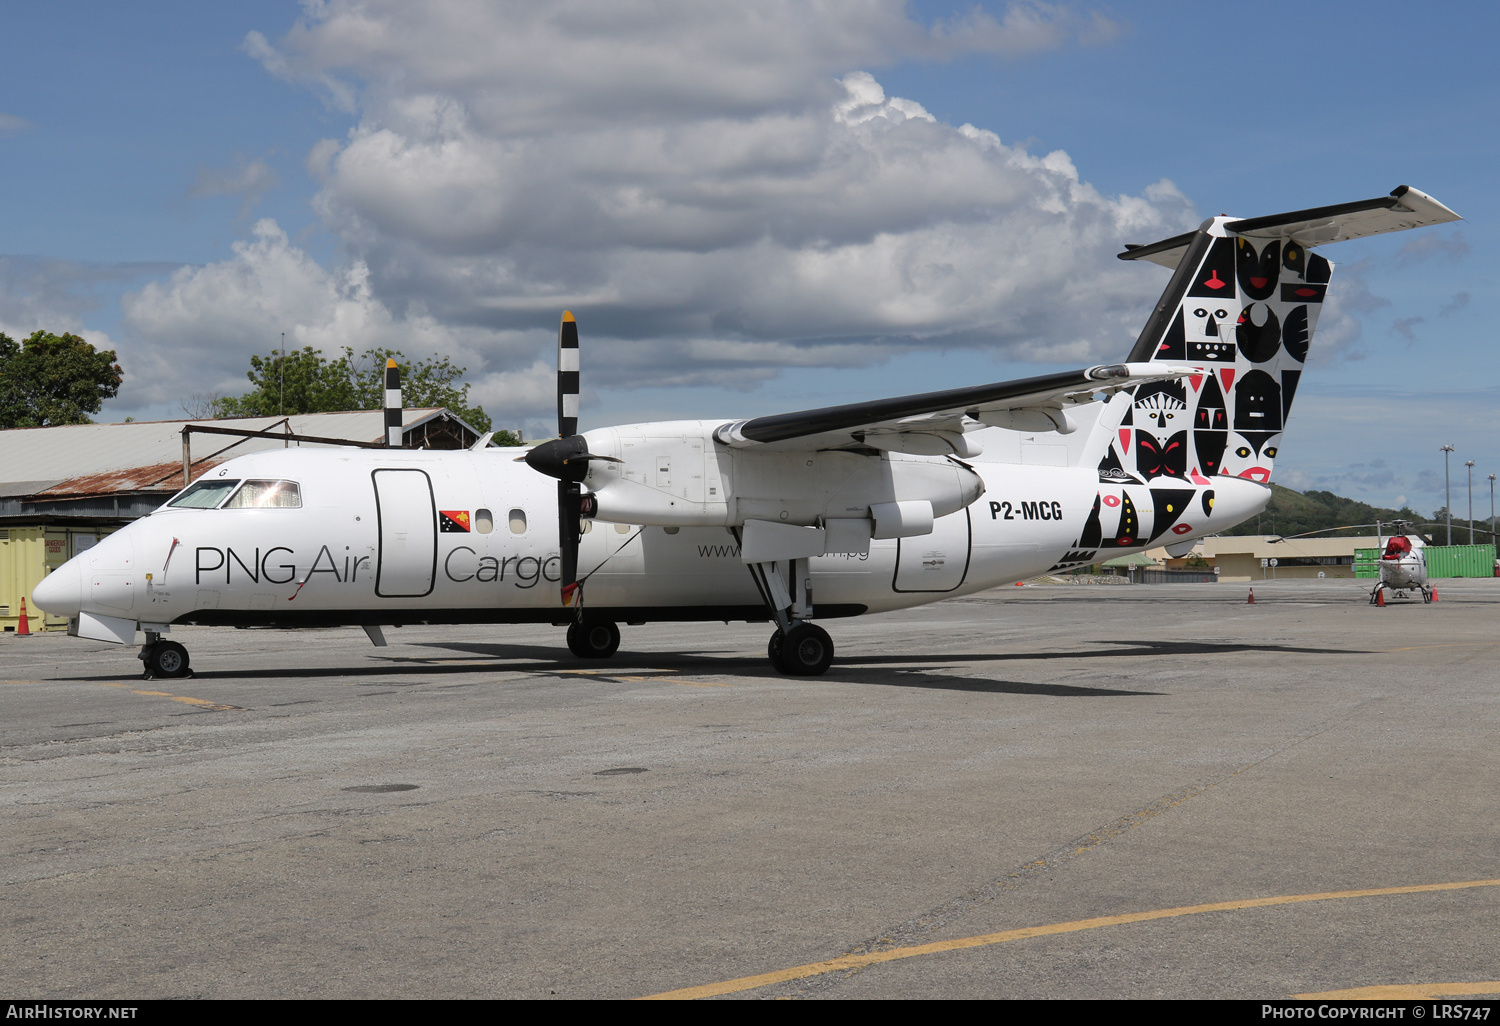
[164,659]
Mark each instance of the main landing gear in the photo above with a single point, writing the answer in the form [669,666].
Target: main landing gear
[805,651]
[593,640]
[798,648]
[163,659]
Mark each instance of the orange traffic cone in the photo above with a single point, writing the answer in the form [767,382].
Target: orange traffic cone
[1251,600]
[23,629]
[1380,597]
[1434,595]
[1020,584]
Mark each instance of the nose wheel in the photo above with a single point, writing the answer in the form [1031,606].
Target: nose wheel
[165,659]
[804,651]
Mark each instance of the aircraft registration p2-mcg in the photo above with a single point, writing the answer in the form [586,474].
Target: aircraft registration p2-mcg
[788,519]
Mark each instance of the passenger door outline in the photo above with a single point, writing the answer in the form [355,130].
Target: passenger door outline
[413,566]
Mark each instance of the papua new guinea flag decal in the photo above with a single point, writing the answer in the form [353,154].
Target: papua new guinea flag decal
[453,521]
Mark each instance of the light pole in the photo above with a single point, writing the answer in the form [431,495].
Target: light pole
[1492,508]
[1470,465]
[1447,493]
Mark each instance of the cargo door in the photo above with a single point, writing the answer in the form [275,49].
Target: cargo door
[938,561]
[406,561]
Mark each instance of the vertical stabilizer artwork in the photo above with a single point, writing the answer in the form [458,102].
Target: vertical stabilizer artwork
[1245,312]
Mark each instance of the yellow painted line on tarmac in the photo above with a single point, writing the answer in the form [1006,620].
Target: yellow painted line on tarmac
[1407,991]
[201,703]
[984,940]
[1456,644]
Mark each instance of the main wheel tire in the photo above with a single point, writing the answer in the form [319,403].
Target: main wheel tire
[596,640]
[807,650]
[775,652]
[166,659]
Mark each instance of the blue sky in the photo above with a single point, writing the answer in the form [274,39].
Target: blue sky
[184,190]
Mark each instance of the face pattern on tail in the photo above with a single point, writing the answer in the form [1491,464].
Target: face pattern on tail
[1246,315]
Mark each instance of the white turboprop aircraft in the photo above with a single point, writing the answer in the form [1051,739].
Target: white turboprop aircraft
[813,515]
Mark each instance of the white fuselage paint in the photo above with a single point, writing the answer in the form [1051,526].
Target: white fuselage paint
[364,547]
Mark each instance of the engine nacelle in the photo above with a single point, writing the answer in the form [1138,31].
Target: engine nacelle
[675,474]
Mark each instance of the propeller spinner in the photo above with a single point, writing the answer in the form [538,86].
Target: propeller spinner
[566,458]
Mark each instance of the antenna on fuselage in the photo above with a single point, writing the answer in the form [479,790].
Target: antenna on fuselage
[392,404]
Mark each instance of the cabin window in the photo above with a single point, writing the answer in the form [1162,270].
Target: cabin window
[266,495]
[484,521]
[518,521]
[204,494]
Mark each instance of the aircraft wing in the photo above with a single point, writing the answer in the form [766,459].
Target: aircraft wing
[1405,207]
[899,424]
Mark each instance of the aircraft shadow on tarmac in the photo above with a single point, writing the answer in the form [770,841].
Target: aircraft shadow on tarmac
[875,670]
[852,671]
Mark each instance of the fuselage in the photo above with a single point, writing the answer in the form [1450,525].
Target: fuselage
[396,536]
[1408,570]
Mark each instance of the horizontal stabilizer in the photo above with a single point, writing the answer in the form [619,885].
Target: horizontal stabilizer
[930,413]
[1404,208]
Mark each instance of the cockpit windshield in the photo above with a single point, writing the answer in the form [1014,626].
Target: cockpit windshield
[204,494]
[267,495]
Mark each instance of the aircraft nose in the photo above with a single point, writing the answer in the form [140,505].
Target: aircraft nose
[61,592]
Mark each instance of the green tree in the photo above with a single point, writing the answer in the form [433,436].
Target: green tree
[54,379]
[305,381]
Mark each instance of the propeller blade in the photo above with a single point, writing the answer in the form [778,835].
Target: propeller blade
[569,499]
[560,458]
[567,376]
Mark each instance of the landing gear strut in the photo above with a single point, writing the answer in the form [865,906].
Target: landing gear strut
[797,648]
[164,659]
[1400,593]
[597,639]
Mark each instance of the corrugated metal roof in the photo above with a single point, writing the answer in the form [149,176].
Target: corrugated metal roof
[77,459]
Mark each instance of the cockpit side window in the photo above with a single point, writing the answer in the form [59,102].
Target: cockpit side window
[267,495]
[204,494]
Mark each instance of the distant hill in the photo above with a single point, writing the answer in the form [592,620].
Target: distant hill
[1290,512]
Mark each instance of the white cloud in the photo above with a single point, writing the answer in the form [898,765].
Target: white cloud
[213,318]
[11,123]
[716,190]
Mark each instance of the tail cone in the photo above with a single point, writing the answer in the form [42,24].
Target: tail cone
[23,628]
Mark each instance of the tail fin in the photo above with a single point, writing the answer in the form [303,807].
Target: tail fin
[1242,304]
